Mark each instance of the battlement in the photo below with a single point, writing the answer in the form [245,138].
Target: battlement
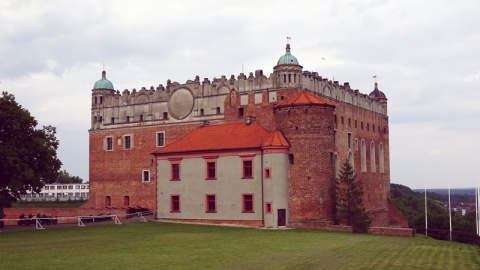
[197,99]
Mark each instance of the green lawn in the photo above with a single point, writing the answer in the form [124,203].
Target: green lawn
[156,245]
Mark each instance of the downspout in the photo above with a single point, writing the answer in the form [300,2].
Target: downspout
[263,195]
[156,187]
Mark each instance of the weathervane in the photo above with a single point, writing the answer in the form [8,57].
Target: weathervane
[375,77]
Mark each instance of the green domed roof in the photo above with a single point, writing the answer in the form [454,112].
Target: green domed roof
[103,83]
[287,58]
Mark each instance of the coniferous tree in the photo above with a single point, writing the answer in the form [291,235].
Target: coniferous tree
[348,200]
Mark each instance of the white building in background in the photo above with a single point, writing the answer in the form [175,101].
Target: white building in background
[64,192]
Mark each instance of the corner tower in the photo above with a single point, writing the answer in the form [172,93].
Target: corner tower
[100,89]
[288,72]
[307,123]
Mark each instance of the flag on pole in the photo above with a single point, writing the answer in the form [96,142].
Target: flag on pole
[426,219]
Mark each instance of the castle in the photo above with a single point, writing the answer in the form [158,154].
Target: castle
[256,150]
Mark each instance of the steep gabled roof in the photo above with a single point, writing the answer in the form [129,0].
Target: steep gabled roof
[305,98]
[219,137]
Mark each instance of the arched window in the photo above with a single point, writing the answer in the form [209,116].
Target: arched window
[373,165]
[381,159]
[101,100]
[284,78]
[363,159]
[350,159]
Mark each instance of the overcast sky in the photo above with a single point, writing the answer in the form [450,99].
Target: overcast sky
[425,54]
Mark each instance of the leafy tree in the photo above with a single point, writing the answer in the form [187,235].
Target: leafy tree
[28,156]
[348,200]
[65,177]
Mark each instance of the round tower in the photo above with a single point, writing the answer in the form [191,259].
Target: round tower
[307,122]
[288,72]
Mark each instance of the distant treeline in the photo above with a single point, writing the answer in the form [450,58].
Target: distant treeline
[412,204]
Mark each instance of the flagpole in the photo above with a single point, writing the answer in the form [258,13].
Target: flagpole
[426,219]
[477,200]
[450,210]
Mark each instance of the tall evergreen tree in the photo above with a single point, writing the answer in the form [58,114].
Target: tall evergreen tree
[348,200]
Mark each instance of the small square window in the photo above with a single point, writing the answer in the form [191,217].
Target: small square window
[268,173]
[145,176]
[175,203]
[268,208]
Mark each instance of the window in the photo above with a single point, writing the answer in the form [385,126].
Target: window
[65,187]
[240,112]
[355,123]
[175,171]
[211,170]
[126,200]
[247,203]
[141,117]
[268,173]
[47,187]
[112,120]
[291,159]
[217,111]
[165,115]
[107,200]
[363,156]
[128,119]
[146,176]
[70,187]
[381,158]
[201,112]
[127,142]
[210,203]
[175,203]
[247,169]
[373,165]
[109,143]
[268,208]
[335,141]
[160,139]
[349,140]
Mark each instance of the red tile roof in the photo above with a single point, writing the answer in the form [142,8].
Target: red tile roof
[276,138]
[221,137]
[305,98]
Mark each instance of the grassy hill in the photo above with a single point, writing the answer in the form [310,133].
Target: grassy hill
[156,245]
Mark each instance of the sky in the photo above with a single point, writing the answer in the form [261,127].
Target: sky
[425,54]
